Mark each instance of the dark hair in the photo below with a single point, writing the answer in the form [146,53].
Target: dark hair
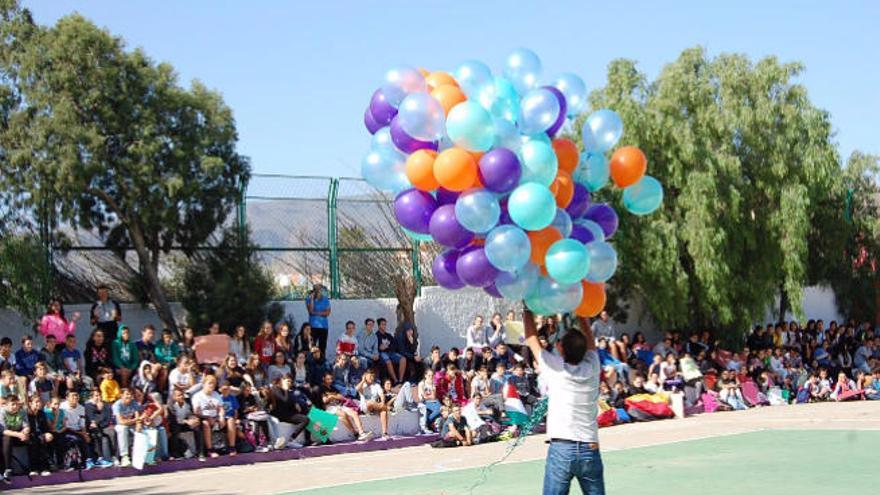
[349,322]
[381,321]
[368,320]
[435,348]
[25,338]
[574,347]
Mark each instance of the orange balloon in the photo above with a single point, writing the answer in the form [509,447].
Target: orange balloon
[544,272]
[628,166]
[424,72]
[554,187]
[420,170]
[455,169]
[448,96]
[593,300]
[566,154]
[564,190]
[541,241]
[439,78]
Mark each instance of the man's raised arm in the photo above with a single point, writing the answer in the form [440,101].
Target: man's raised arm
[531,332]
[584,323]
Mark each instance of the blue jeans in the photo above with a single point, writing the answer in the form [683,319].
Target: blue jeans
[573,460]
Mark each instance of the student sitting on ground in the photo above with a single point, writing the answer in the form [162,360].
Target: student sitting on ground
[429,406]
[291,405]
[99,423]
[456,430]
[41,439]
[16,432]
[372,400]
[334,403]
[181,419]
[208,406]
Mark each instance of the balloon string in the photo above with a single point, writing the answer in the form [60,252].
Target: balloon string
[538,413]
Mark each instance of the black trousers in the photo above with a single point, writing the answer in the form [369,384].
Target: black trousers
[320,336]
[299,422]
[176,446]
[6,461]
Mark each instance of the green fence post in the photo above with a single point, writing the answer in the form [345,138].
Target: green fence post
[417,266]
[331,237]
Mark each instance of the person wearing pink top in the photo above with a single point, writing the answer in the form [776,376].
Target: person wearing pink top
[55,323]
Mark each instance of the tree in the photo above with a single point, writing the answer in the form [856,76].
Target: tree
[226,284]
[24,275]
[105,139]
[747,165]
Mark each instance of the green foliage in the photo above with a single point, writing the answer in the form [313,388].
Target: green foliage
[103,138]
[747,165]
[227,285]
[25,277]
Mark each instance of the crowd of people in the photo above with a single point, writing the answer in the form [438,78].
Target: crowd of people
[77,406]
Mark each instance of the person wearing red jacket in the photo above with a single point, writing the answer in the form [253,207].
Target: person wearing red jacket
[264,344]
[450,383]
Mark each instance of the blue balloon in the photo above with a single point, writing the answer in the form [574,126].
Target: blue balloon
[532,206]
[477,210]
[517,285]
[562,222]
[523,68]
[382,139]
[401,81]
[385,169]
[592,171]
[472,76]
[539,162]
[567,261]
[470,127]
[557,297]
[603,261]
[575,92]
[508,248]
[421,116]
[595,228]
[541,138]
[500,98]
[539,111]
[644,196]
[506,135]
[602,130]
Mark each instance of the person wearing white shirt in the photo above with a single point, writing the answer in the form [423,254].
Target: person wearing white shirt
[477,335]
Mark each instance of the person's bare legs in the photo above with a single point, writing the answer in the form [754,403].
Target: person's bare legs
[230,435]
[207,444]
[346,420]
[383,419]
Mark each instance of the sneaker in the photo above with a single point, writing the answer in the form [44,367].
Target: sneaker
[45,473]
[295,445]
[426,431]
[103,463]
[202,458]
[33,474]
[89,464]
[188,454]
[386,437]
[363,437]
[280,443]
[262,450]
[7,476]
[125,462]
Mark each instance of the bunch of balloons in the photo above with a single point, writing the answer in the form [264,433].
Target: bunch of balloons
[476,164]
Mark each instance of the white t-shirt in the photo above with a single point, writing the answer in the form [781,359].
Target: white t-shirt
[573,394]
[74,418]
[183,380]
[209,406]
[370,393]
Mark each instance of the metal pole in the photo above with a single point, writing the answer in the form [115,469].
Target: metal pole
[332,237]
[417,267]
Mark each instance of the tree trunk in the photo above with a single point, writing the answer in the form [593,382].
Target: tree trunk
[151,273]
[783,303]
[405,290]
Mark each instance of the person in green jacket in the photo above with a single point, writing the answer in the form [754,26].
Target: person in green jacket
[124,354]
[167,350]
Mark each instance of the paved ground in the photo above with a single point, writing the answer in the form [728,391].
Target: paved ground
[326,472]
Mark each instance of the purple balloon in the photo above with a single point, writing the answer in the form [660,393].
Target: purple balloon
[581,234]
[444,270]
[493,291]
[563,108]
[446,197]
[413,209]
[605,216]
[504,219]
[500,170]
[580,202]
[370,122]
[446,230]
[381,108]
[473,267]
[407,143]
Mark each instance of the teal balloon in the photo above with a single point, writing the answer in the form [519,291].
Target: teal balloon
[531,206]
[477,210]
[539,162]
[644,196]
[567,261]
[523,68]
[385,169]
[562,222]
[506,135]
[472,76]
[557,297]
[507,248]
[601,131]
[470,127]
[592,171]
[500,99]
[539,111]
[519,284]
[417,237]
[595,228]
[603,261]
[574,90]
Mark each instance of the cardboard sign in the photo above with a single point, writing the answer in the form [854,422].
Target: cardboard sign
[211,349]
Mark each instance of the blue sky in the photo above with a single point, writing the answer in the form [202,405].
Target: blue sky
[298,74]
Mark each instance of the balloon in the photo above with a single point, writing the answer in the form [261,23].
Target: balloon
[560,117]
[500,99]
[601,131]
[582,234]
[538,162]
[531,206]
[566,154]
[370,122]
[499,170]
[477,210]
[580,201]
[508,248]
[422,117]
[541,240]
[401,81]
[492,290]
[605,216]
[522,67]
[575,92]
[382,139]
[446,197]
[567,261]
[445,228]
[541,138]
[439,78]
[444,272]
[472,76]
[455,169]
[406,143]
[539,109]
[593,300]
[516,285]
[416,236]
[595,229]
[506,135]
[644,196]
[603,261]
[628,164]
[562,222]
[469,126]
[593,171]
[413,209]
[448,96]
[557,297]
[420,170]
[381,109]
[384,169]
[564,189]
[474,269]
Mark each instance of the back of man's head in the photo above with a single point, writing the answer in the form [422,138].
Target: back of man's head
[574,346]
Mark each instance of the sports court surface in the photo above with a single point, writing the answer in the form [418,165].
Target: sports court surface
[808,449]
